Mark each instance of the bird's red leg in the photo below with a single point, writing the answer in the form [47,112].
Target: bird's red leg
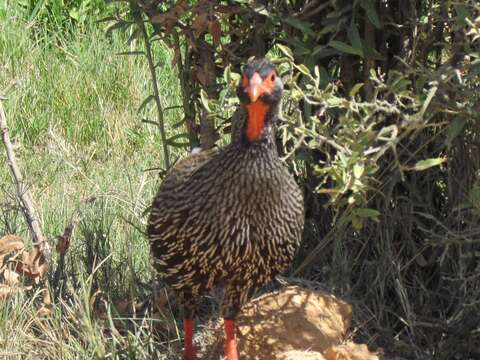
[190,353]
[230,342]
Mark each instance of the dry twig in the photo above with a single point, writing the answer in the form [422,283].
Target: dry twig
[23,193]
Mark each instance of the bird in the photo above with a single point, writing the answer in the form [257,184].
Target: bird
[230,217]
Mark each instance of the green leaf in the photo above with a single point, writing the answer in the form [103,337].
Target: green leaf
[358,170]
[147,121]
[431,93]
[172,141]
[145,102]
[261,9]
[462,14]
[286,51]
[303,69]
[345,48]
[107,18]
[227,74]
[300,47]
[428,163]
[354,38]
[355,89]
[36,10]
[320,52]
[303,26]
[357,222]
[371,53]
[324,76]
[454,129]
[120,25]
[178,124]
[74,14]
[366,213]
[368,6]
[204,100]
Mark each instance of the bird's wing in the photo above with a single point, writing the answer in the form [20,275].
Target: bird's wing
[185,167]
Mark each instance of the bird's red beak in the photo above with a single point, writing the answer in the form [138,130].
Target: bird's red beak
[255,88]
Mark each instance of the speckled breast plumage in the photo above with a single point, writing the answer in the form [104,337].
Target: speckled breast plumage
[233,218]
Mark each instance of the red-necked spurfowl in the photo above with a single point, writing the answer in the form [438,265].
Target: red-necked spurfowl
[232,217]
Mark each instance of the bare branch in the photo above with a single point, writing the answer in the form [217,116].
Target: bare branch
[23,193]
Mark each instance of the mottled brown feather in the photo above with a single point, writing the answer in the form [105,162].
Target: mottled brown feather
[231,217]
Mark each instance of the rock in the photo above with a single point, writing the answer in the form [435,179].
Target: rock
[349,351]
[292,319]
[301,355]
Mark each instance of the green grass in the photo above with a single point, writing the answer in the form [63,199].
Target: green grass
[71,107]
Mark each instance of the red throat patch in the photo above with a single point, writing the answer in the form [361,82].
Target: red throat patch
[257,115]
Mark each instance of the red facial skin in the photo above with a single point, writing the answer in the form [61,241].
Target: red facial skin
[257,109]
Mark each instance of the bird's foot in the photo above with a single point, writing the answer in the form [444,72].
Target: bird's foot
[231,350]
[192,356]
[189,352]
[230,341]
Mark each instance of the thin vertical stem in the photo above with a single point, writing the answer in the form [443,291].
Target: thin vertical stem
[188,105]
[23,193]
[148,52]
[368,64]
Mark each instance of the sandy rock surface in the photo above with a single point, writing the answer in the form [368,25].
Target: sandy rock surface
[301,355]
[293,323]
[349,351]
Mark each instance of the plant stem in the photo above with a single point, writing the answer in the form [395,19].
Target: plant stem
[148,52]
[23,193]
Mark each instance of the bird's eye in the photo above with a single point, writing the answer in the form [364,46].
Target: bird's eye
[272,77]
